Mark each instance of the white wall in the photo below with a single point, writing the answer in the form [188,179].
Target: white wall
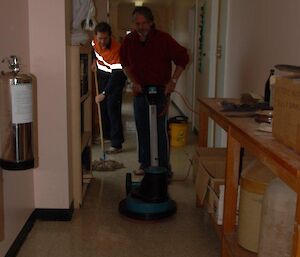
[261,34]
[18,192]
[180,31]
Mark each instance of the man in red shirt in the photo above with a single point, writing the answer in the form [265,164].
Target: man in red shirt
[147,55]
[111,80]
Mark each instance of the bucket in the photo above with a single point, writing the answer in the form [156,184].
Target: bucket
[254,180]
[178,131]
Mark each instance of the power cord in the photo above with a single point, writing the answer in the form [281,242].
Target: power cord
[191,163]
[187,104]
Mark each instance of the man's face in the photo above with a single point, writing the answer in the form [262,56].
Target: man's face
[103,39]
[142,25]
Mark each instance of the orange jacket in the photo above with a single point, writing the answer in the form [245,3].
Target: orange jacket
[107,59]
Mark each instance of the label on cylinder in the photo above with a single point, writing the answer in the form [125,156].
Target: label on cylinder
[21,101]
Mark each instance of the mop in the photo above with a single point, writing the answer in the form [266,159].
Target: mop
[103,164]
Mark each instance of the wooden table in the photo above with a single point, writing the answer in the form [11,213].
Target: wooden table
[242,132]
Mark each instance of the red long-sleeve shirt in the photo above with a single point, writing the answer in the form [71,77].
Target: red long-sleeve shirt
[150,62]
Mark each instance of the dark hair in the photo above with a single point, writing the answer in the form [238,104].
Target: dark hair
[103,27]
[145,11]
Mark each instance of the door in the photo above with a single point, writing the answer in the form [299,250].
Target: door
[206,33]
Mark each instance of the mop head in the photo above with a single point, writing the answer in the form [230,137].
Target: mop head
[106,165]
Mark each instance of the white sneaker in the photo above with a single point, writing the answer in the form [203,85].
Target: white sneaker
[113,150]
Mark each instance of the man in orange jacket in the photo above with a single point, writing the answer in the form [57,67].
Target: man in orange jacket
[111,80]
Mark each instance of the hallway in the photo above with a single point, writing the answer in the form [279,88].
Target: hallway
[97,229]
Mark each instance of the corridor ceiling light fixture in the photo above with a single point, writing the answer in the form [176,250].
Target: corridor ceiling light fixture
[138,3]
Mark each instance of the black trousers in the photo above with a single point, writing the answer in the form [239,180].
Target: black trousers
[111,116]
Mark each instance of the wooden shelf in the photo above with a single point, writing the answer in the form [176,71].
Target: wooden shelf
[84,97]
[80,110]
[85,139]
[280,159]
[86,48]
[87,176]
[234,249]
[84,189]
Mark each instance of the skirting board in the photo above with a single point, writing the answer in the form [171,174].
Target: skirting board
[38,214]
[55,214]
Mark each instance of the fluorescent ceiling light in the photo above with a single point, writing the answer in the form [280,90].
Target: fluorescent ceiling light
[138,3]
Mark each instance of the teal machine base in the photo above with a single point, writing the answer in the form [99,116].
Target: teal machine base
[148,199]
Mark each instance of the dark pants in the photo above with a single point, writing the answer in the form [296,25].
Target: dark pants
[141,113]
[113,84]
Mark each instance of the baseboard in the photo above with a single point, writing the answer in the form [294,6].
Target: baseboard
[17,244]
[39,214]
[55,214]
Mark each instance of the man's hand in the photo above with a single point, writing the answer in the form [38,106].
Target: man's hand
[170,87]
[136,89]
[99,98]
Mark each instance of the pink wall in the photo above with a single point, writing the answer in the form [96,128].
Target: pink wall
[18,204]
[47,44]
[35,31]
[17,186]
[14,31]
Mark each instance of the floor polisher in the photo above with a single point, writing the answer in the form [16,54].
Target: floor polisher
[149,199]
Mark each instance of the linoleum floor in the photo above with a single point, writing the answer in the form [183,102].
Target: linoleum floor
[98,230]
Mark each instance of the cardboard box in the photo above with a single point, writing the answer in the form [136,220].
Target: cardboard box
[195,163]
[213,194]
[210,179]
[218,204]
[286,113]
[211,172]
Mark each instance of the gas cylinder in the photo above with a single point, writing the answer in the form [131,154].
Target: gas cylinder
[16,118]
[278,221]
[254,180]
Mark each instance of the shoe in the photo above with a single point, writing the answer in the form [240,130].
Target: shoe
[97,140]
[170,174]
[113,150]
[139,172]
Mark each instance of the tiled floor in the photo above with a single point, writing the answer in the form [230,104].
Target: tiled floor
[97,229]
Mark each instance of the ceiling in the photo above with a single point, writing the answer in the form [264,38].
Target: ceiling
[145,1]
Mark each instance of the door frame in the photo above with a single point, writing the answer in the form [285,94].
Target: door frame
[212,55]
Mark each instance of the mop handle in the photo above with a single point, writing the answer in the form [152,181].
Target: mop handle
[99,116]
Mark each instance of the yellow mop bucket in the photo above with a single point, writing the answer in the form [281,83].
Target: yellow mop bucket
[178,127]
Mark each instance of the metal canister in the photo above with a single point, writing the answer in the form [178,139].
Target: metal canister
[16,118]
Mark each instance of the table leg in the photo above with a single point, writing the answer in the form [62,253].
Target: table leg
[203,126]
[231,187]
[296,242]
